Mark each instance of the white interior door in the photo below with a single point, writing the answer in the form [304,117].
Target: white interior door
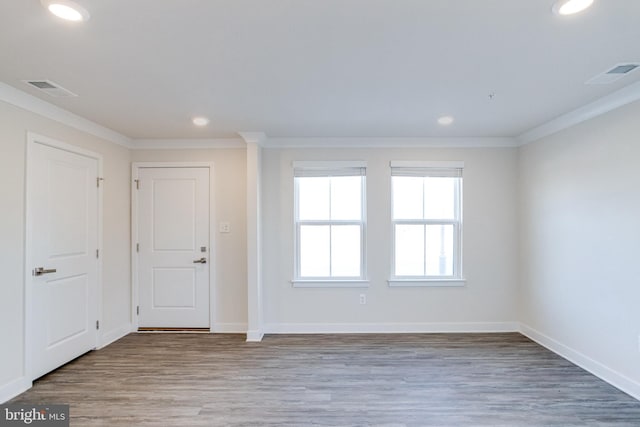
[173,247]
[62,240]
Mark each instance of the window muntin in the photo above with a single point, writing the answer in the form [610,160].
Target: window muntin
[427,222]
[329,223]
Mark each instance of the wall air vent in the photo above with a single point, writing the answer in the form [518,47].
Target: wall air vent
[50,88]
[613,74]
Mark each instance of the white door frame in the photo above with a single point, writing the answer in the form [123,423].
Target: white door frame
[34,138]
[135,169]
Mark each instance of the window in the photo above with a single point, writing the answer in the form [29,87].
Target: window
[427,221]
[329,221]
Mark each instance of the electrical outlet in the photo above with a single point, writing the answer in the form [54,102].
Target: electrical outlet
[224,227]
[363,299]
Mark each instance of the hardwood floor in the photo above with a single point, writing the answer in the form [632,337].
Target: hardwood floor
[336,380]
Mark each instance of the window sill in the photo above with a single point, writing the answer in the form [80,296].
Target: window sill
[427,282]
[299,283]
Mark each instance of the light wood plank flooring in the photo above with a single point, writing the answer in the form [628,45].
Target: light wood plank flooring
[336,380]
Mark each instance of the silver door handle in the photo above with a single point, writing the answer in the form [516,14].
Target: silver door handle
[200,261]
[41,270]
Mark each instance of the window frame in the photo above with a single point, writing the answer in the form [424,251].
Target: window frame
[430,169]
[328,170]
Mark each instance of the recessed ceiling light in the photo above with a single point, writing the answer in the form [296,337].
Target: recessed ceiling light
[569,7]
[200,121]
[66,9]
[445,120]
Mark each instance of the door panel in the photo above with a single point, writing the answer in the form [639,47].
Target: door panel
[65,324]
[62,204]
[174,214]
[68,212]
[173,229]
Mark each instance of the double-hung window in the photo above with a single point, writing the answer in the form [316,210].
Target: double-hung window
[329,221]
[427,222]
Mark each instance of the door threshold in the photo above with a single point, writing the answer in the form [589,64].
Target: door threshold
[176,330]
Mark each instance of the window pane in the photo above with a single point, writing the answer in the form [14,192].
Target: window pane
[439,196]
[439,247]
[407,197]
[346,197]
[409,250]
[313,198]
[314,251]
[345,250]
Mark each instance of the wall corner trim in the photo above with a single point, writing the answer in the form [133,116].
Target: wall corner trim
[259,138]
[27,102]
[254,336]
[605,373]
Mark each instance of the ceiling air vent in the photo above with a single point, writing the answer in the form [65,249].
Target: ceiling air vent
[614,74]
[50,88]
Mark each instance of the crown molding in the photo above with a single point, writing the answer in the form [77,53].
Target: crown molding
[186,144]
[27,102]
[262,140]
[363,142]
[259,138]
[607,103]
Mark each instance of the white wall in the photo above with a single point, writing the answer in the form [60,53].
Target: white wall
[580,243]
[15,123]
[488,300]
[230,264]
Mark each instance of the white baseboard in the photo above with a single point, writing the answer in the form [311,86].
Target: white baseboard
[389,328]
[13,388]
[255,335]
[114,335]
[229,328]
[616,379]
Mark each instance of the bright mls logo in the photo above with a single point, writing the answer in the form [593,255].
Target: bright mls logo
[34,415]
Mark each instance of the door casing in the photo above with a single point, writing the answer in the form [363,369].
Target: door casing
[34,138]
[135,168]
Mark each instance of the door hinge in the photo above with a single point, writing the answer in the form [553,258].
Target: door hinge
[137,181]
[138,310]
[137,247]
[98,179]
[97,253]
[97,324]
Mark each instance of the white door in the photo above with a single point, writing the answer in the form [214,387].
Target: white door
[62,221]
[173,247]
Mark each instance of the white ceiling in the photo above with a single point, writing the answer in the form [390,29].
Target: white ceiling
[320,68]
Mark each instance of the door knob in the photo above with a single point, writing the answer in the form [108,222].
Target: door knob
[39,271]
[200,261]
